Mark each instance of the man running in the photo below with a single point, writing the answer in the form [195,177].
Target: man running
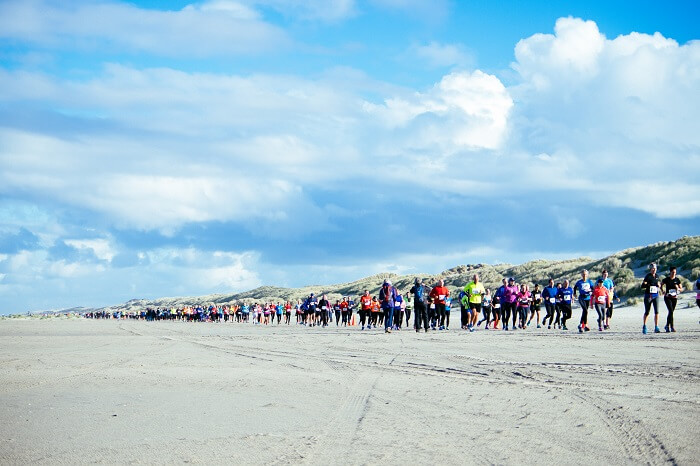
[651,285]
[475,291]
[565,298]
[584,288]
[549,296]
[438,295]
[420,310]
[365,309]
[671,287]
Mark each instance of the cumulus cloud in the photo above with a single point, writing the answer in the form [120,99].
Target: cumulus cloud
[219,27]
[463,111]
[621,108]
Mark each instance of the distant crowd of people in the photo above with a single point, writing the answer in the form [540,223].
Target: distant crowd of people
[511,306]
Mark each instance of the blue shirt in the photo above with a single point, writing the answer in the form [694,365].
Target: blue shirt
[566,295]
[549,292]
[584,288]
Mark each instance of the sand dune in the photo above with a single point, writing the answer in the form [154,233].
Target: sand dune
[84,391]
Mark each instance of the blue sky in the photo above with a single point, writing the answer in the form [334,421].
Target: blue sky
[174,148]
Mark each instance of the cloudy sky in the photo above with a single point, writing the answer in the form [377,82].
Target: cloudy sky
[169,148]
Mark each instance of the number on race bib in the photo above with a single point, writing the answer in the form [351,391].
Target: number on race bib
[672,292]
[552,300]
[653,290]
[601,299]
[567,298]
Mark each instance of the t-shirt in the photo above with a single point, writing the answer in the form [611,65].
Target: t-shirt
[566,295]
[524,299]
[671,286]
[650,285]
[549,294]
[511,294]
[366,302]
[584,288]
[474,290]
[439,293]
[600,295]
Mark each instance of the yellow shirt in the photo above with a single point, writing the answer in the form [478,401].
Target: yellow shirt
[474,290]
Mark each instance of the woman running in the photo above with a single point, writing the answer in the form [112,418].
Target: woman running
[599,300]
[671,287]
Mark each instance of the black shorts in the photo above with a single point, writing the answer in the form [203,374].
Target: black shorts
[475,307]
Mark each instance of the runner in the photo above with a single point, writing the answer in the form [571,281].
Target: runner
[535,308]
[498,302]
[420,296]
[399,308]
[600,298]
[438,295]
[325,307]
[610,286]
[486,308]
[338,309]
[448,310]
[409,305]
[475,291]
[365,310]
[549,296]
[523,301]
[651,285]
[287,312]
[344,311]
[387,298]
[565,298]
[376,311]
[311,304]
[671,287]
[509,303]
[584,287]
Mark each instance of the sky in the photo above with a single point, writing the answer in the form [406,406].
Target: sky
[178,148]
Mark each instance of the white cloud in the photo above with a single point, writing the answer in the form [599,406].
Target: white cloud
[198,30]
[463,111]
[438,55]
[99,246]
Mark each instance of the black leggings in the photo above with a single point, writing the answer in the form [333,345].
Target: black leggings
[600,309]
[565,309]
[584,311]
[671,306]
[507,309]
[648,302]
[487,313]
[465,316]
[420,316]
[549,307]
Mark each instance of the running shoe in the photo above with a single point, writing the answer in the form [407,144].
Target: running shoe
[673,330]
[667,329]
[656,330]
[565,328]
[644,329]
[580,329]
[528,323]
[549,327]
[586,329]
[363,327]
[600,329]
[471,329]
[539,326]
[505,328]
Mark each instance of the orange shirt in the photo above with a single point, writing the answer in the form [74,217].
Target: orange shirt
[366,302]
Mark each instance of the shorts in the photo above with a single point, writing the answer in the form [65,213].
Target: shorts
[475,307]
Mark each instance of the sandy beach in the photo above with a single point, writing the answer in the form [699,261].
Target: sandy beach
[92,391]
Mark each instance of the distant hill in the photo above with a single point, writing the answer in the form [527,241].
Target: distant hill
[626,268]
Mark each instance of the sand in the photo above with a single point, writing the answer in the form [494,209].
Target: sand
[85,391]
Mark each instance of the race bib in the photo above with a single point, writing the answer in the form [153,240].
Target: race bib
[537,296]
[552,300]
[653,290]
[324,308]
[672,292]
[496,306]
[432,306]
[567,298]
[441,297]
[586,287]
[601,299]
[397,303]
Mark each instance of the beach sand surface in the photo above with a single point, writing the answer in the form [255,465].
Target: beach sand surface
[107,391]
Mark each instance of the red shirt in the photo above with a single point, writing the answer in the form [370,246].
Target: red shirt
[343,305]
[600,295]
[439,293]
[366,302]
